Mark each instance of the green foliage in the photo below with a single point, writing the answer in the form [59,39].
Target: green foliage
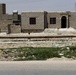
[40,53]
[37,53]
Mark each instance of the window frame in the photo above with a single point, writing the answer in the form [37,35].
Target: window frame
[53,20]
[32,20]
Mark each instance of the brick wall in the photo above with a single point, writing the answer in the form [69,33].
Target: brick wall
[14,28]
[39,20]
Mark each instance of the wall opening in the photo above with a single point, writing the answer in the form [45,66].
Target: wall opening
[53,20]
[63,22]
[32,20]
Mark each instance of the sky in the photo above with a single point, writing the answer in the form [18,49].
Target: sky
[39,5]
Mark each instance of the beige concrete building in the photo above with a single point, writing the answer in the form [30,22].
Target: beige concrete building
[32,21]
[28,22]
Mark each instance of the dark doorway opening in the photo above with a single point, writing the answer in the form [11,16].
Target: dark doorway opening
[63,22]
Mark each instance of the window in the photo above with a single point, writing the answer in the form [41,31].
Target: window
[52,20]
[32,20]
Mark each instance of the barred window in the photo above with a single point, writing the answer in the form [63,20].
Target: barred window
[52,20]
[32,20]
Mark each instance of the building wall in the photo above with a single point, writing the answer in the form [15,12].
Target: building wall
[54,15]
[4,21]
[14,28]
[6,17]
[39,21]
[72,19]
[58,16]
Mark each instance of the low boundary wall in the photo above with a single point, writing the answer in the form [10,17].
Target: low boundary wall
[37,42]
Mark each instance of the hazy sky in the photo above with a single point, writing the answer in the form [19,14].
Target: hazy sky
[39,5]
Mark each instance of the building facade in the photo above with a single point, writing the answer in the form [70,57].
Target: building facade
[28,22]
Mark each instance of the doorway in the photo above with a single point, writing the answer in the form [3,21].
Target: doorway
[63,22]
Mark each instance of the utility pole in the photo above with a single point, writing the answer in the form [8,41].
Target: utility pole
[75,6]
